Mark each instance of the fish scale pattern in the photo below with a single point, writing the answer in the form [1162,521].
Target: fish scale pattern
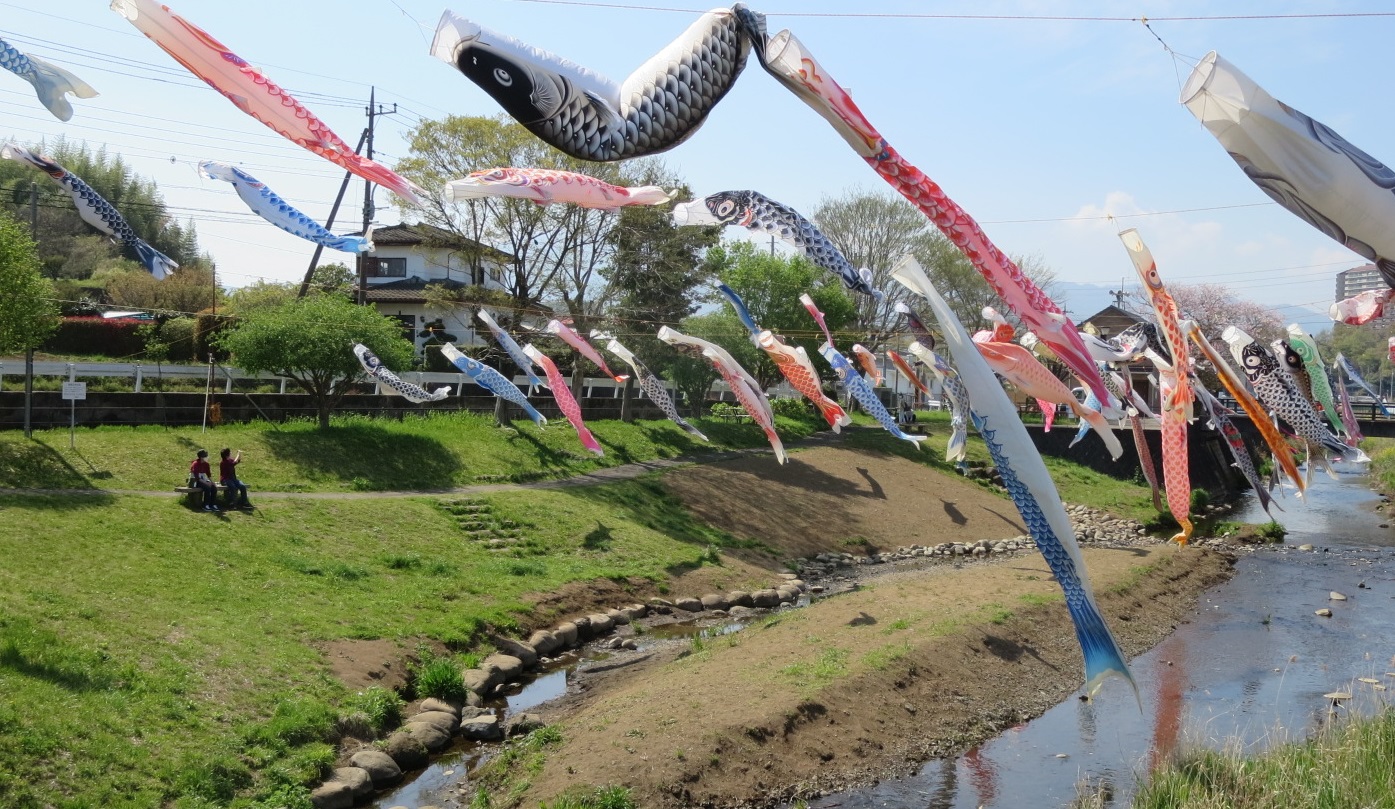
[864,394]
[95,210]
[755,211]
[657,394]
[656,112]
[1096,641]
[1280,393]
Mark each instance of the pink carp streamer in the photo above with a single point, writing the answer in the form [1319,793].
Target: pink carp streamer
[785,58]
[1176,392]
[868,361]
[1361,309]
[563,395]
[576,341]
[1176,475]
[1145,459]
[546,186]
[252,92]
[1018,366]
[742,384]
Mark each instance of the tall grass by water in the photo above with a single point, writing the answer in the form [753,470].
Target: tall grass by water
[1345,765]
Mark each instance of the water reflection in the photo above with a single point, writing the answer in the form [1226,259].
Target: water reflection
[1252,666]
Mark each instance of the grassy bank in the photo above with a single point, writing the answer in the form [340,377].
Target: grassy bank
[357,453]
[145,649]
[1348,763]
[1382,452]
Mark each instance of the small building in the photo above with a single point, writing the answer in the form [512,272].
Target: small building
[408,258]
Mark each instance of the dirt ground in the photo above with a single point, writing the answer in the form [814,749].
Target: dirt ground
[912,664]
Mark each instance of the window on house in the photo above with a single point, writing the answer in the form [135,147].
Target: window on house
[385,267]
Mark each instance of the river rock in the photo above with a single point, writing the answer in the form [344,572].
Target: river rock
[743,612]
[765,598]
[381,769]
[688,604]
[406,750]
[332,795]
[600,623]
[635,611]
[516,648]
[360,783]
[544,642]
[631,644]
[433,737]
[481,680]
[798,584]
[483,728]
[507,666]
[714,601]
[618,617]
[1324,612]
[472,711]
[445,720]
[522,723]
[787,594]
[1336,596]
[433,704]
[1305,547]
[566,633]
[739,598]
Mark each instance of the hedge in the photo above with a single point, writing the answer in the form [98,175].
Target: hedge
[109,337]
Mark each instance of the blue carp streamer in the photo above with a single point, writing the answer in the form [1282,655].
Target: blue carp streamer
[492,381]
[1028,484]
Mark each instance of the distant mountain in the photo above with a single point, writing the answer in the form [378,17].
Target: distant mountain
[1079,300]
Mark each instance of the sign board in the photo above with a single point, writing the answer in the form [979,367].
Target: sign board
[74,390]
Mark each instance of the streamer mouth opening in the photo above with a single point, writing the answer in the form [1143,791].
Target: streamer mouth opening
[1200,78]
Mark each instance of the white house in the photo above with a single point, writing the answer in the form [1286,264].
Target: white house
[407,258]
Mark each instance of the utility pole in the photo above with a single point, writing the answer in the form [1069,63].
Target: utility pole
[374,110]
[329,223]
[29,350]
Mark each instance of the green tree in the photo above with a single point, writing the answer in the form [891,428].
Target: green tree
[28,313]
[1366,347]
[336,277]
[770,286]
[310,340]
[188,291]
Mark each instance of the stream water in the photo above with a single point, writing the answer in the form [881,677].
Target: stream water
[1250,668]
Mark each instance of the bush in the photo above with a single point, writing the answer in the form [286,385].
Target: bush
[382,706]
[178,334]
[798,408]
[438,677]
[109,337]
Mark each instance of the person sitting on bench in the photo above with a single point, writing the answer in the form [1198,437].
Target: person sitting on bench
[200,478]
[227,475]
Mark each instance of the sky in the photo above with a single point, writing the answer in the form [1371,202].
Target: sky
[1040,118]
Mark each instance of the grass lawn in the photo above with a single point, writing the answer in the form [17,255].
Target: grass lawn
[357,453]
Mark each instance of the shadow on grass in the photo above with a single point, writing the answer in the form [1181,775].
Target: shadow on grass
[648,503]
[368,457]
[36,465]
[41,654]
[552,459]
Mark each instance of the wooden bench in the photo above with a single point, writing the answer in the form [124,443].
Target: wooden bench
[190,491]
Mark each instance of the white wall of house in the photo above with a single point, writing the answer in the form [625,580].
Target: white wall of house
[404,262]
